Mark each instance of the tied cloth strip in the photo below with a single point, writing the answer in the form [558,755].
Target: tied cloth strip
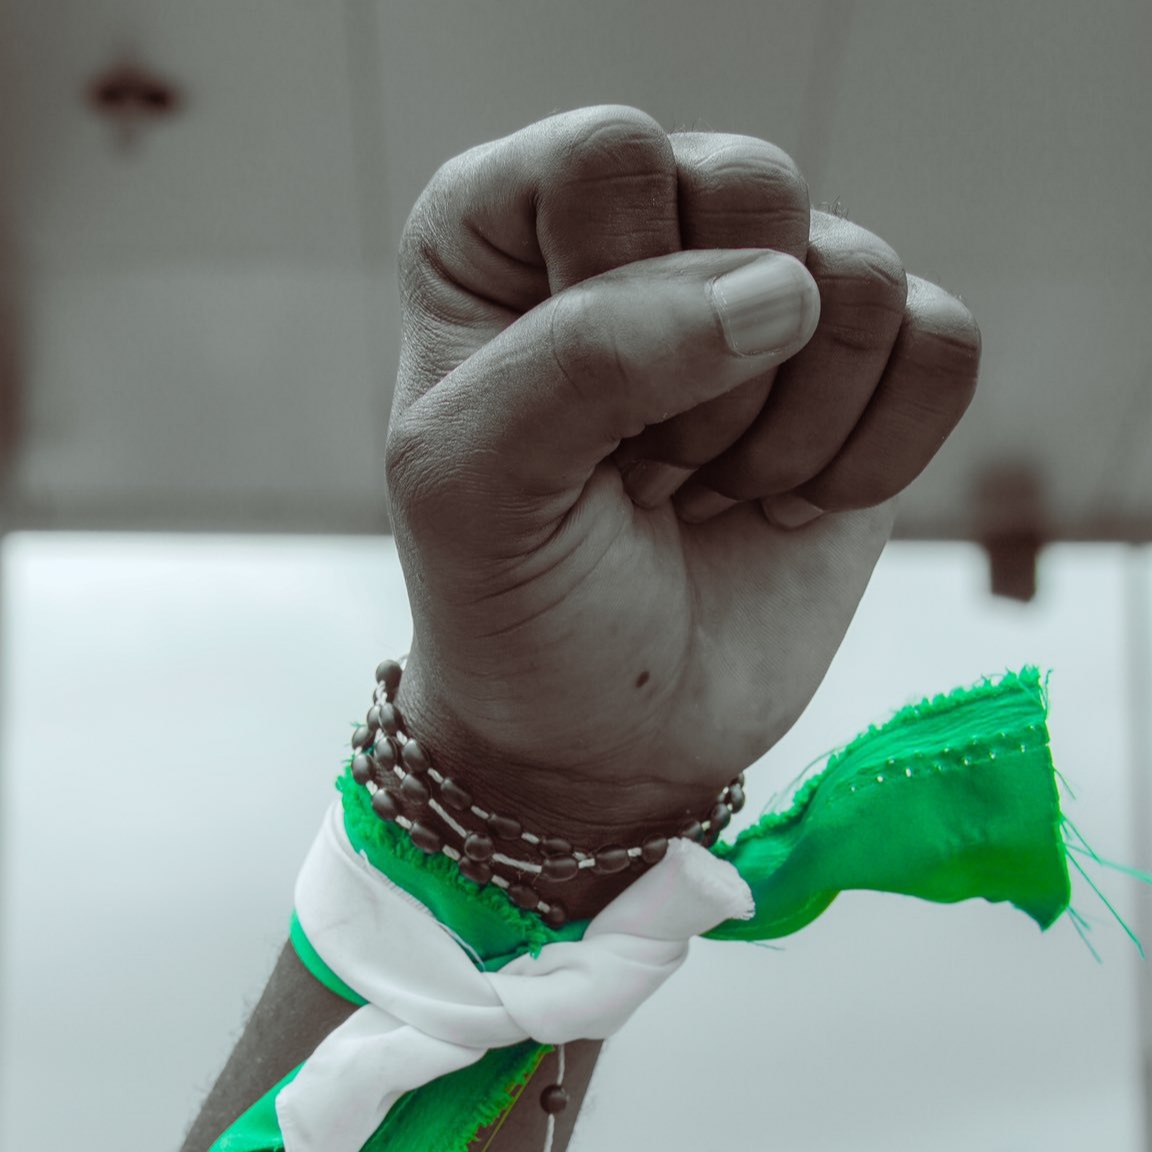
[430,1012]
[954,798]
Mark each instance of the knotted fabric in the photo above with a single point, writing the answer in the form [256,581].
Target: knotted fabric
[430,1011]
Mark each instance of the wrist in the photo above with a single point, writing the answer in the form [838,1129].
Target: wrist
[528,811]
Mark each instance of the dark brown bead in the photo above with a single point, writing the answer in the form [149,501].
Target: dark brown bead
[384,753]
[425,837]
[693,830]
[414,757]
[414,789]
[559,868]
[373,720]
[504,827]
[361,738]
[556,915]
[455,796]
[611,859]
[554,1099]
[478,846]
[654,849]
[736,797]
[361,768]
[384,804]
[475,870]
[555,846]
[388,673]
[523,896]
[720,817]
[386,718]
[710,837]
[741,780]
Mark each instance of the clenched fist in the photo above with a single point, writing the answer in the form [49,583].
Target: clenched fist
[650,417]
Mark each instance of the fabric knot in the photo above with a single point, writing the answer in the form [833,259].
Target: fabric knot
[431,1012]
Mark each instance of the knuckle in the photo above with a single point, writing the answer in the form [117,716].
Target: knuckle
[587,348]
[582,346]
[941,336]
[610,141]
[743,178]
[752,163]
[426,474]
[403,456]
[863,285]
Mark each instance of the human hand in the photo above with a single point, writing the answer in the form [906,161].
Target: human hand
[593,665]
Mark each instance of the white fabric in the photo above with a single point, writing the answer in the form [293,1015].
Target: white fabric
[430,1011]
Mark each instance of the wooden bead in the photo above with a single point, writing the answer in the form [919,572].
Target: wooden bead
[504,827]
[388,673]
[555,846]
[425,837]
[556,915]
[610,860]
[523,896]
[384,804]
[720,817]
[693,830]
[654,849]
[386,718]
[414,757]
[477,846]
[384,754]
[559,868]
[475,870]
[736,797]
[361,737]
[414,789]
[455,796]
[361,768]
[554,1099]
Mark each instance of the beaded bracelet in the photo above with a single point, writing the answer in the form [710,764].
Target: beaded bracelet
[408,790]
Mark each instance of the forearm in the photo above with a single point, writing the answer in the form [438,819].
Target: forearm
[296,1012]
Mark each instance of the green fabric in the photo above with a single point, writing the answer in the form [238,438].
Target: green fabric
[257,1130]
[484,917]
[953,798]
[443,1116]
[314,962]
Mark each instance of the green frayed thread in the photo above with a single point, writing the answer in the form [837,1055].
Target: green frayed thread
[1074,842]
[384,842]
[449,1113]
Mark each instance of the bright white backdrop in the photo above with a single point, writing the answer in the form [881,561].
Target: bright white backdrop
[174,711]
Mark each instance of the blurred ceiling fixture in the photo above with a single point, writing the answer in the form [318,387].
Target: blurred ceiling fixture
[130,95]
[1010,511]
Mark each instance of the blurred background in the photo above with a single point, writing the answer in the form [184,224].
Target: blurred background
[200,204]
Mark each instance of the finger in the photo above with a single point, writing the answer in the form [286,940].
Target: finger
[929,383]
[501,227]
[504,446]
[820,395]
[734,192]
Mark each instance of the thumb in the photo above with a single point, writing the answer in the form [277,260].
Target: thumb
[528,417]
